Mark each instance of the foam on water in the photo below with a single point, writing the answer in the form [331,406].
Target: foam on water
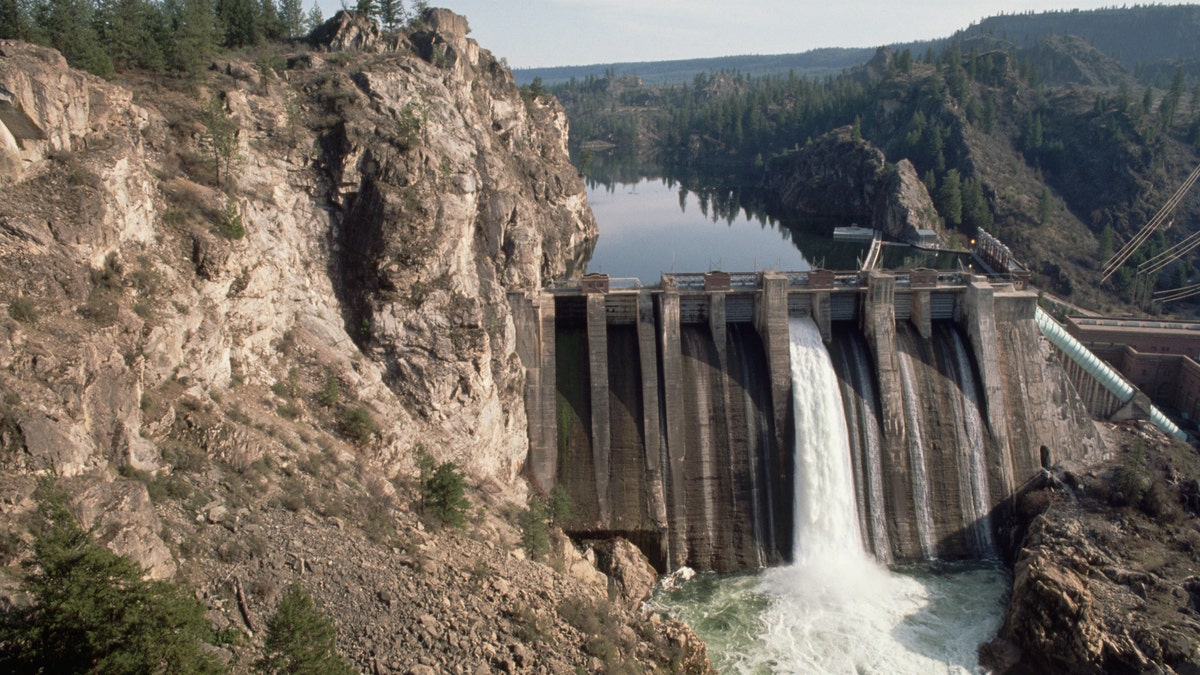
[836,610]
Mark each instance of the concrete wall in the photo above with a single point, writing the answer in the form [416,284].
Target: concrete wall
[597,338]
[533,316]
[771,318]
[1028,401]
[672,373]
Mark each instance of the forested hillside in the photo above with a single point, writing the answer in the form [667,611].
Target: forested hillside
[1150,41]
[1055,145]
[109,36]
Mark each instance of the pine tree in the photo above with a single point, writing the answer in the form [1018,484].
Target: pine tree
[1045,205]
[949,202]
[239,22]
[976,213]
[134,33]
[1170,102]
[11,26]
[291,15]
[300,639]
[392,14]
[270,21]
[68,26]
[1104,248]
[192,24]
[314,18]
[367,7]
[221,137]
[92,611]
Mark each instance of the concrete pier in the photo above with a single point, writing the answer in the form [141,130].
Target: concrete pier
[771,316]
[652,422]
[979,318]
[533,316]
[672,371]
[597,339]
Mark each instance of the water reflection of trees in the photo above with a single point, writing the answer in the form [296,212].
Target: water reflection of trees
[732,198]
[720,197]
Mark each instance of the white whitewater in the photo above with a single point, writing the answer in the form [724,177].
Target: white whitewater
[826,515]
[972,462]
[862,414]
[836,610]
[916,455]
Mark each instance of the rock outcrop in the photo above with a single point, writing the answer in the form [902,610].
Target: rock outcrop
[1105,580]
[236,309]
[841,176]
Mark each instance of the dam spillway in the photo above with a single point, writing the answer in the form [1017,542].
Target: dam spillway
[667,414]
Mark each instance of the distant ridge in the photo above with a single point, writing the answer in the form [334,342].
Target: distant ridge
[1118,32]
[814,63]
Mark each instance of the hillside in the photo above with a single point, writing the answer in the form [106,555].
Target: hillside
[1148,40]
[814,63]
[1055,146]
[257,333]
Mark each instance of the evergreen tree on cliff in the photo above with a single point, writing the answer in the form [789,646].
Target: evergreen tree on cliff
[93,613]
[191,22]
[391,14]
[10,20]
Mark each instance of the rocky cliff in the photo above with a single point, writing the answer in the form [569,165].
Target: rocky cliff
[238,305]
[840,175]
[1105,579]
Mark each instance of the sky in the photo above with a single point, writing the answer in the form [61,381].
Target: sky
[539,33]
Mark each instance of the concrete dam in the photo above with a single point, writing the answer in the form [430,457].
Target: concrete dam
[671,415]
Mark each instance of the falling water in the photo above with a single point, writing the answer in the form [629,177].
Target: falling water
[835,610]
[826,524]
[916,456]
[866,437]
[973,470]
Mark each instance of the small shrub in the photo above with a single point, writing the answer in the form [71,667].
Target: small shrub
[379,528]
[184,457]
[1130,481]
[530,627]
[289,387]
[357,425]
[1161,502]
[559,505]
[144,308]
[300,639]
[289,410]
[331,391]
[293,497]
[442,491]
[230,224]
[157,489]
[535,538]
[409,121]
[23,310]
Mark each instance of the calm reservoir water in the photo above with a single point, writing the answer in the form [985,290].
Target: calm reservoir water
[652,227]
[647,229]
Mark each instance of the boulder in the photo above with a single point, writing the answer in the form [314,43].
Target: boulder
[631,576]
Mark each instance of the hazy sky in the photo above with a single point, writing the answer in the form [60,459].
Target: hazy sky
[531,33]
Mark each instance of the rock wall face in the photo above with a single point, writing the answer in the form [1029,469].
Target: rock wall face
[841,176]
[1104,581]
[376,210]
[432,226]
